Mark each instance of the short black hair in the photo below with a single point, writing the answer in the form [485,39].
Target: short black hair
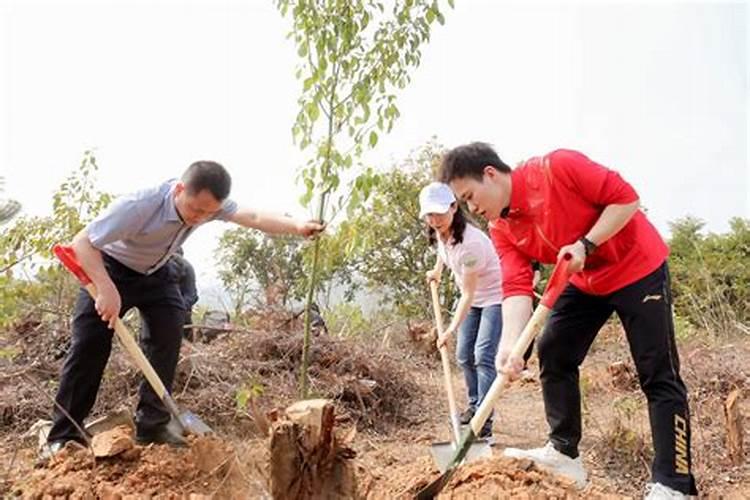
[458,226]
[208,175]
[469,160]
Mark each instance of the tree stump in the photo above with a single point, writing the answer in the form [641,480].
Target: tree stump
[307,458]
[734,427]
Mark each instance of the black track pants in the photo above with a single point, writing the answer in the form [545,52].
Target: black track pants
[645,309]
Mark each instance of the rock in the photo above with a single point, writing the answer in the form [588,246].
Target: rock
[112,442]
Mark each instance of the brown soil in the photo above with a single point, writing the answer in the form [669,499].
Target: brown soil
[208,466]
[499,477]
[398,412]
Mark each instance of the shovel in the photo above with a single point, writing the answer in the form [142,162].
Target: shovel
[442,452]
[556,284]
[187,421]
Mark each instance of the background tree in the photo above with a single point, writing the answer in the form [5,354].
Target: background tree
[350,71]
[8,208]
[251,264]
[710,275]
[390,250]
[74,204]
[29,279]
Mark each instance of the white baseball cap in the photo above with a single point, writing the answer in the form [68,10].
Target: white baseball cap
[435,198]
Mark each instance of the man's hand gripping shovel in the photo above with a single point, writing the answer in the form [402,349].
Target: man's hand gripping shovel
[188,421]
[556,284]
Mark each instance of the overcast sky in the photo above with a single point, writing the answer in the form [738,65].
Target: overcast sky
[656,90]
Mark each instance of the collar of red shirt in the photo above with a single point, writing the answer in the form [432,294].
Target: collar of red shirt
[519,203]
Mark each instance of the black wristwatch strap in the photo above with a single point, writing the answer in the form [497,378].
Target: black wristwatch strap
[588,245]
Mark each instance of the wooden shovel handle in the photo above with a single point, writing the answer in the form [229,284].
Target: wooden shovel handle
[67,256]
[555,285]
[447,379]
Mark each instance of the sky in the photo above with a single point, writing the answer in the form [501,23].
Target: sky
[656,90]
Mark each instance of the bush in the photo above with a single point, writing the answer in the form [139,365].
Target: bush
[710,275]
[346,320]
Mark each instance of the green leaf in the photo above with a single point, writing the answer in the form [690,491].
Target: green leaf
[241,398]
[313,111]
[309,82]
[373,138]
[354,202]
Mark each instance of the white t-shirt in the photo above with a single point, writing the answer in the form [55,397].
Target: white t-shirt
[475,254]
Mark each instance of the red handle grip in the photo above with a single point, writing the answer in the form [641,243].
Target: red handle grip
[557,281]
[68,258]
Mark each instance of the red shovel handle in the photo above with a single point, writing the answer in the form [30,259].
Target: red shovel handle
[557,281]
[67,256]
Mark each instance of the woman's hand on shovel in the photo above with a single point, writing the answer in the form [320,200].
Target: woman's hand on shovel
[442,339]
[433,275]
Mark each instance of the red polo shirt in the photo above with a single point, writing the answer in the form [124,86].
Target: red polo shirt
[555,200]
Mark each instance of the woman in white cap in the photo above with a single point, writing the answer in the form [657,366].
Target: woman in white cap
[472,259]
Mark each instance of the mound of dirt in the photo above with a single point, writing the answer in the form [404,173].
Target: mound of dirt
[497,477]
[503,477]
[208,466]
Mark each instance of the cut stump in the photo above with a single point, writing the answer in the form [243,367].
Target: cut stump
[308,460]
[734,427]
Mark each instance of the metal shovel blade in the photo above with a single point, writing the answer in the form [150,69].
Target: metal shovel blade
[189,423]
[443,452]
[193,424]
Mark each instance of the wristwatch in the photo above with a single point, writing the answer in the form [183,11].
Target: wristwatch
[588,246]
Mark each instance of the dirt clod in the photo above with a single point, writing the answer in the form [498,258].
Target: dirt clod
[112,442]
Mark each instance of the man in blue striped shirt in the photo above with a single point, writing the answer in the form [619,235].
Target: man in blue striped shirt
[126,252]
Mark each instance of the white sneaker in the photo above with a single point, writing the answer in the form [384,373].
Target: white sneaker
[552,460]
[658,491]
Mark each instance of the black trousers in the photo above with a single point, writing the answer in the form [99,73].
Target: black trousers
[645,309]
[160,303]
[189,293]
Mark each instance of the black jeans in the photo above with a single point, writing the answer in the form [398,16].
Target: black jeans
[645,309]
[160,303]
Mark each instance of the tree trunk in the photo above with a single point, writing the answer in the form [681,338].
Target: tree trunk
[307,459]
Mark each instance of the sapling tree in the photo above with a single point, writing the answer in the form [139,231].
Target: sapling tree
[355,55]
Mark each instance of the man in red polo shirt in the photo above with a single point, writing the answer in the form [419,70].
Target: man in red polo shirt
[565,203]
